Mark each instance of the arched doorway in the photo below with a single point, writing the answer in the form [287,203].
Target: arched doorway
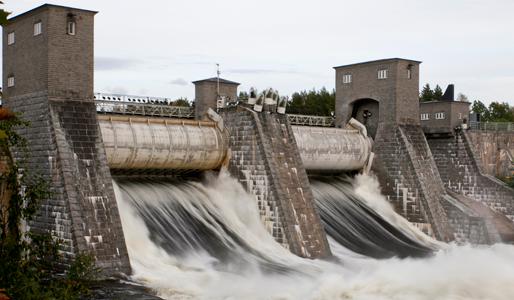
[367,111]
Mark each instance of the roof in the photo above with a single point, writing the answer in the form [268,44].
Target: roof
[378,61]
[443,101]
[215,79]
[44,6]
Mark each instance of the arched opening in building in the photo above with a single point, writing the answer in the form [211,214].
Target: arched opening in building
[367,111]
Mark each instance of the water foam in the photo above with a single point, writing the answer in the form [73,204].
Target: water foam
[464,272]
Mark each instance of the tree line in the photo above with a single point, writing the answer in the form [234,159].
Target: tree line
[436,94]
[313,102]
[495,112]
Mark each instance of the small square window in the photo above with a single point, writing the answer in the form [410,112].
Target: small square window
[382,74]
[347,78]
[425,117]
[71,27]
[10,38]
[38,28]
[10,81]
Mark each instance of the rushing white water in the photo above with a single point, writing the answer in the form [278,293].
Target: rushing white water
[368,190]
[223,252]
[354,224]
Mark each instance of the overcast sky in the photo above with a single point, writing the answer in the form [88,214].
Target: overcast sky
[157,47]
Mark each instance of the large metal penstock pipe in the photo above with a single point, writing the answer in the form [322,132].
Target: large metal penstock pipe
[181,144]
[151,143]
[329,149]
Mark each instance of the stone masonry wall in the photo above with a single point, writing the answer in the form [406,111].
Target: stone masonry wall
[461,173]
[66,149]
[247,163]
[410,179]
[495,150]
[266,160]
[468,227]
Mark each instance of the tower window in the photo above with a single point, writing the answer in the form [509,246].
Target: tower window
[10,38]
[10,81]
[425,117]
[382,74]
[409,71]
[347,78]
[439,116]
[71,27]
[37,28]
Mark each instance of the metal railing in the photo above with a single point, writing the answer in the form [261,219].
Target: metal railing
[304,120]
[131,98]
[492,126]
[144,109]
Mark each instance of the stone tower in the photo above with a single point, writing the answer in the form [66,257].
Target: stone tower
[48,77]
[381,91]
[206,94]
[384,96]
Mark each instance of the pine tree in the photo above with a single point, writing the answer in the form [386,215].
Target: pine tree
[3,15]
[426,93]
[438,93]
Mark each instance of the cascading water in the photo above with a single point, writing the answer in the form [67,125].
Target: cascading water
[355,225]
[192,240]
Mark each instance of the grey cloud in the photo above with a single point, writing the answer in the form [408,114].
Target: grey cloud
[113,63]
[262,71]
[179,81]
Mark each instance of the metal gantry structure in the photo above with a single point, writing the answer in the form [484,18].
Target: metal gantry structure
[161,107]
[140,106]
[306,120]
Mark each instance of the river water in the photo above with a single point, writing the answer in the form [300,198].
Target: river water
[205,240]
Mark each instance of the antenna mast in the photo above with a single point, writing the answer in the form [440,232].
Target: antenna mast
[218,80]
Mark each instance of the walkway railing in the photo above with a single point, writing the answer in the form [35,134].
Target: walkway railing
[144,109]
[492,126]
[304,120]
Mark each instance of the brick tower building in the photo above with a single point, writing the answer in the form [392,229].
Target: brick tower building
[384,96]
[48,77]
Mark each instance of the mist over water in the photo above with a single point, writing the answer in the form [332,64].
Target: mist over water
[193,240]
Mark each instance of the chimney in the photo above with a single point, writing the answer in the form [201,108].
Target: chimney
[449,93]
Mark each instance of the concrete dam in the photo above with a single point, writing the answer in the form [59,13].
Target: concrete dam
[153,145]
[237,199]
[182,144]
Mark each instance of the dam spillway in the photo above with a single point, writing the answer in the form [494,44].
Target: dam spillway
[183,144]
[267,211]
[166,225]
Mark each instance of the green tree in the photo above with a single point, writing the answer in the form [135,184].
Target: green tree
[426,93]
[3,15]
[479,108]
[496,112]
[243,96]
[182,101]
[313,102]
[438,93]
[501,112]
